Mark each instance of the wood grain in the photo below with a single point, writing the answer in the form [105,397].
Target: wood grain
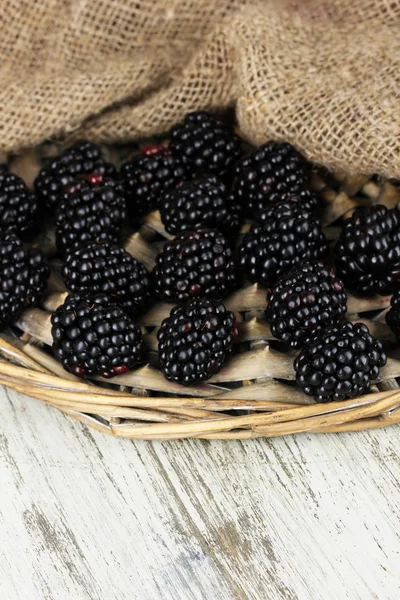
[86,516]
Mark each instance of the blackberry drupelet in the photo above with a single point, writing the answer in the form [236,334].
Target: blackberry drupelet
[23,277]
[111,270]
[284,237]
[393,315]
[83,158]
[195,264]
[275,172]
[148,176]
[200,203]
[339,362]
[195,340]
[18,205]
[205,144]
[93,336]
[91,211]
[309,297]
[367,254]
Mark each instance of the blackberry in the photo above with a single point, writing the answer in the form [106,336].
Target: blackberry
[309,297]
[23,277]
[93,336]
[195,264]
[91,211]
[339,362]
[284,237]
[367,254]
[111,270]
[393,315]
[273,173]
[195,340]
[205,144]
[149,175]
[18,205]
[83,158]
[200,203]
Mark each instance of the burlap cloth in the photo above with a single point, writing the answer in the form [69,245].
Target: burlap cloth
[322,74]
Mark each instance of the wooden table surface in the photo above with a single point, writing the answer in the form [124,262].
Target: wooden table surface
[85,516]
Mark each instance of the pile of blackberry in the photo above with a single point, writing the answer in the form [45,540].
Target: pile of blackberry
[83,158]
[109,269]
[93,336]
[204,188]
[18,204]
[283,237]
[23,278]
[195,340]
[200,203]
[195,264]
[308,298]
[91,210]
[339,362]
[148,176]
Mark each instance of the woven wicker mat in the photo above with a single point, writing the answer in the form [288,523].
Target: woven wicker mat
[323,74]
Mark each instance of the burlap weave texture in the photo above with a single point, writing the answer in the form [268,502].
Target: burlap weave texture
[322,74]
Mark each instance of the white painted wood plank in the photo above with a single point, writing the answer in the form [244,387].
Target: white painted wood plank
[85,516]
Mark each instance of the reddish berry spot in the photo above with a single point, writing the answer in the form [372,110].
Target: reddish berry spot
[235,334]
[396,274]
[194,289]
[78,370]
[155,149]
[213,366]
[121,370]
[93,178]
[107,375]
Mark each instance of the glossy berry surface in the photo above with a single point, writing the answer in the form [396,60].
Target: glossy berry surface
[111,270]
[205,144]
[148,176]
[308,298]
[272,174]
[200,203]
[367,254]
[339,362]
[83,158]
[93,336]
[91,210]
[23,278]
[18,205]
[195,340]
[393,315]
[283,237]
[195,264]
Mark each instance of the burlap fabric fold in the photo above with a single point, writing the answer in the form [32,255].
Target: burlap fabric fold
[324,75]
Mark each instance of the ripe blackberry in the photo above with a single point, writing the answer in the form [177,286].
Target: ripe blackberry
[195,264]
[148,176]
[393,315]
[200,203]
[284,237]
[108,269]
[275,172]
[195,340]
[91,211]
[23,277]
[339,362]
[83,158]
[309,297]
[18,205]
[367,254]
[205,144]
[93,336]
